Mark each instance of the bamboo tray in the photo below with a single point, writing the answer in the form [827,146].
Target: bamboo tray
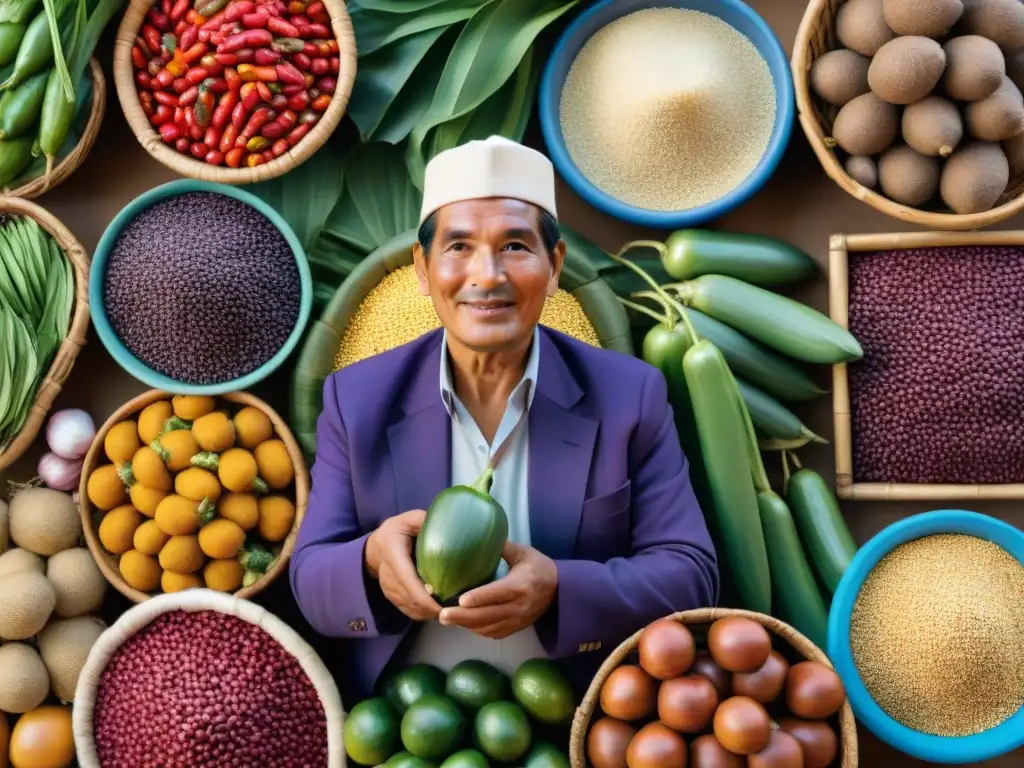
[96,456]
[193,600]
[67,353]
[703,617]
[186,165]
[815,37]
[847,486]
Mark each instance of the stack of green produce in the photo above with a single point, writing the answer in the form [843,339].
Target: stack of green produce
[44,52]
[473,717]
[37,293]
[715,326]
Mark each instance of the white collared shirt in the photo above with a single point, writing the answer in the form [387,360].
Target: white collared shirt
[446,646]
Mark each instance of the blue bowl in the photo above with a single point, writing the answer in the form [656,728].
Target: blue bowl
[116,347]
[733,12]
[1005,737]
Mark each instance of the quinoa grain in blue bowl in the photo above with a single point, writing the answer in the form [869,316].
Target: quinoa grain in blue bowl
[202,288]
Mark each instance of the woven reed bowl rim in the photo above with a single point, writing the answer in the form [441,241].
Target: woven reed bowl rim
[67,353]
[584,712]
[139,616]
[97,456]
[819,14]
[186,165]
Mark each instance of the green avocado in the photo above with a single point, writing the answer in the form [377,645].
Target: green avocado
[475,683]
[467,758]
[503,731]
[433,727]
[406,687]
[544,754]
[372,732]
[544,691]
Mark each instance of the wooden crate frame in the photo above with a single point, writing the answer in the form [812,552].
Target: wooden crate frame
[840,246]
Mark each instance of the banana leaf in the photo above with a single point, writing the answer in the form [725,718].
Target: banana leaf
[376,29]
[490,48]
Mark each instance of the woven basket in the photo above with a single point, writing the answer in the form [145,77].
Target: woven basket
[64,360]
[702,618]
[70,162]
[815,37]
[316,361]
[186,165]
[96,456]
[138,617]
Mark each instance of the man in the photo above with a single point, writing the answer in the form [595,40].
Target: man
[605,534]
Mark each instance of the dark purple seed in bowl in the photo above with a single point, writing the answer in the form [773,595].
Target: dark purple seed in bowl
[202,288]
[939,393]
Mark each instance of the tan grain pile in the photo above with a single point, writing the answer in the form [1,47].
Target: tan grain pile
[937,634]
[667,109]
[394,312]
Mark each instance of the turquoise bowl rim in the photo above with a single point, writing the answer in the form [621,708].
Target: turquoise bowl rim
[114,345]
[592,20]
[1005,737]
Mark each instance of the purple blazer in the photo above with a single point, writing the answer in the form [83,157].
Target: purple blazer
[609,488]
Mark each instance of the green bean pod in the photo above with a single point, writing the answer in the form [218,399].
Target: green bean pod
[822,528]
[755,259]
[722,432]
[17,11]
[55,120]
[15,157]
[20,107]
[771,417]
[789,327]
[35,53]
[11,34]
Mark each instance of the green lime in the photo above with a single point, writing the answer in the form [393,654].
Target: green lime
[544,691]
[475,683]
[371,731]
[544,754]
[502,730]
[405,760]
[433,726]
[467,758]
[406,687]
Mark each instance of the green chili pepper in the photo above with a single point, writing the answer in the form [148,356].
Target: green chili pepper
[11,34]
[17,11]
[55,120]
[35,53]
[15,157]
[21,106]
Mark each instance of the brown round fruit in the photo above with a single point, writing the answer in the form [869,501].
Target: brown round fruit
[706,752]
[742,725]
[666,649]
[783,751]
[655,746]
[813,691]
[608,741]
[687,704]
[705,666]
[629,693]
[817,739]
[766,684]
[738,644]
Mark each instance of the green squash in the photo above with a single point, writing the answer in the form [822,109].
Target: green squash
[459,546]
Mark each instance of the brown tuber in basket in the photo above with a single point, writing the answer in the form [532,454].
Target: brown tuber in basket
[703,618]
[815,37]
[138,617]
[186,165]
[95,457]
[64,360]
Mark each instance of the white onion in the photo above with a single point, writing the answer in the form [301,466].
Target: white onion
[59,473]
[70,433]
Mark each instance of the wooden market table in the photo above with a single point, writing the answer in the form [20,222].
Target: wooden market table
[799,205]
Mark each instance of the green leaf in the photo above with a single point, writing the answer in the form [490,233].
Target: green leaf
[382,75]
[489,49]
[400,6]
[330,262]
[375,29]
[306,195]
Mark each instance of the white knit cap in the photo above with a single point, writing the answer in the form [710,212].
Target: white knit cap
[495,167]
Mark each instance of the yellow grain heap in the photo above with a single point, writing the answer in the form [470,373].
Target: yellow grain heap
[937,634]
[395,313]
[667,109]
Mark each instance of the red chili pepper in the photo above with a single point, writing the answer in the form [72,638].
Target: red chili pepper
[179,117]
[205,35]
[223,111]
[326,85]
[190,117]
[165,55]
[146,98]
[192,16]
[199,150]
[299,101]
[310,49]
[233,159]
[158,19]
[151,36]
[250,96]
[215,85]
[256,20]
[251,73]
[316,31]
[332,46]
[268,155]
[179,9]
[300,20]
[245,56]
[250,38]
[291,90]
[182,144]
[162,114]
[147,109]
[308,79]
[266,56]
[189,37]
[296,134]
[280,147]
[139,60]
[229,29]
[180,27]
[170,132]
[189,96]
[335,65]
[321,102]
[143,46]
[226,59]
[315,8]
[255,159]
[239,115]
[196,132]
[180,85]
[301,62]
[212,137]
[282,28]
[288,75]
[232,79]
[256,121]
[195,53]
[196,76]
[165,6]
[214,157]
[228,138]
[273,130]
[238,9]
[264,91]
[163,79]
[279,102]
[296,7]
[209,60]
[217,38]
[320,67]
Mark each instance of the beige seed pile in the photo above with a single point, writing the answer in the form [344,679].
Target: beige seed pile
[667,109]
[394,313]
[937,634]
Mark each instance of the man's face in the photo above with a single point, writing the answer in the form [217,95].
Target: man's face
[488,272]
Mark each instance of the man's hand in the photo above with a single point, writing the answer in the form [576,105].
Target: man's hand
[505,606]
[388,556]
